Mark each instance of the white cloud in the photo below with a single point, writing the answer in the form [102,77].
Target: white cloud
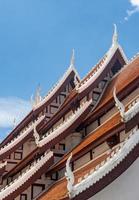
[134,2]
[135,9]
[12,108]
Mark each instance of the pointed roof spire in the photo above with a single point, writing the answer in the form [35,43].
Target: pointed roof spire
[115,36]
[72,61]
[37,97]
[14,122]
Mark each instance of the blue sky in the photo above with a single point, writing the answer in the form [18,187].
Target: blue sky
[36,39]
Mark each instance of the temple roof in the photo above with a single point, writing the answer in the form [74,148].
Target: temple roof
[106,167]
[120,81]
[71,71]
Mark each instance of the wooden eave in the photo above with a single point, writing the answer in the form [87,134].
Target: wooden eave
[32,179]
[122,84]
[68,131]
[95,138]
[92,70]
[102,133]
[125,82]
[59,189]
[49,145]
[117,55]
[33,113]
[75,97]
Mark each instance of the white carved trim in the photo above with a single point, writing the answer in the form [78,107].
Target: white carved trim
[65,124]
[108,165]
[36,135]
[106,59]
[20,137]
[58,85]
[119,105]
[115,36]
[17,183]
[133,108]
[69,176]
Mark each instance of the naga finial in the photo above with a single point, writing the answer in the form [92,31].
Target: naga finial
[36,135]
[72,61]
[115,36]
[69,176]
[119,105]
[37,97]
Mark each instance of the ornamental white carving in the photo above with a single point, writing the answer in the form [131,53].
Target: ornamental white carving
[115,36]
[108,164]
[119,105]
[133,108]
[101,65]
[65,124]
[55,88]
[25,176]
[69,176]
[36,135]
[20,137]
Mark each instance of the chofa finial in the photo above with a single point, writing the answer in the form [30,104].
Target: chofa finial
[72,61]
[36,135]
[119,105]
[69,176]
[36,99]
[115,36]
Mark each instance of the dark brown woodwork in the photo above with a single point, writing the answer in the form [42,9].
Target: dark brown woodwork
[31,180]
[110,177]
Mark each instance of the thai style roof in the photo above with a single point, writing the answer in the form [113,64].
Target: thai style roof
[101,65]
[19,140]
[120,81]
[81,112]
[64,125]
[94,171]
[71,71]
[25,177]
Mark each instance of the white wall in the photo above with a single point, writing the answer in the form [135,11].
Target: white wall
[126,187]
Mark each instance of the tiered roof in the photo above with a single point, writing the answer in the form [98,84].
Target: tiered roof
[92,173]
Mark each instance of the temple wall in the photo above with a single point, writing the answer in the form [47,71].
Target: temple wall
[29,146]
[100,149]
[92,126]
[108,115]
[126,187]
[72,140]
[81,161]
[131,96]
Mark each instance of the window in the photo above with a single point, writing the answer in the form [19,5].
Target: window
[9,180]
[23,197]
[36,189]
[54,176]
[113,140]
[62,147]
[18,155]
